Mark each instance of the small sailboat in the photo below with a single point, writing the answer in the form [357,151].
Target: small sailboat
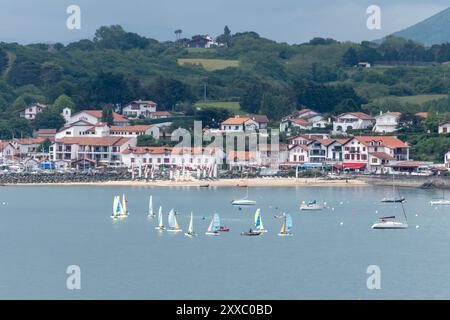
[191,232]
[160,226]
[393,199]
[151,213]
[440,202]
[244,201]
[251,232]
[311,206]
[214,226]
[390,223]
[286,226]
[118,209]
[173,223]
[258,221]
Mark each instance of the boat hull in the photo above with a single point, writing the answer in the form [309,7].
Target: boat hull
[190,235]
[174,230]
[250,234]
[310,208]
[401,200]
[160,228]
[243,203]
[389,225]
[286,234]
[440,202]
[211,233]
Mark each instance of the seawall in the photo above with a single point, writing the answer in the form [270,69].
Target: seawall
[409,181]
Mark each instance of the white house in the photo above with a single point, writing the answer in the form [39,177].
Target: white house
[28,146]
[85,129]
[102,150]
[240,124]
[7,151]
[187,157]
[444,127]
[304,119]
[352,121]
[139,109]
[93,117]
[447,160]
[387,122]
[31,112]
[298,153]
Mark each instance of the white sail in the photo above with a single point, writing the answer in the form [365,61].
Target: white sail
[150,206]
[191,224]
[124,206]
[160,218]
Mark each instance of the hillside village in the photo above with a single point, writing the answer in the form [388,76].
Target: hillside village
[313,141]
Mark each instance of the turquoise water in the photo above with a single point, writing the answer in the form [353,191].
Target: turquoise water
[45,229]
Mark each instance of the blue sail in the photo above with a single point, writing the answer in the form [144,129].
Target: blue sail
[216,222]
[172,223]
[288,222]
[118,209]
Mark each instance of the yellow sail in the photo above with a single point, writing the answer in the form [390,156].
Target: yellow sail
[177,226]
[258,220]
[124,206]
[116,203]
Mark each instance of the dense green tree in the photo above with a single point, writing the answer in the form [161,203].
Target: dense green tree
[51,72]
[148,141]
[3,60]
[62,102]
[24,72]
[49,118]
[275,106]
[212,117]
[108,116]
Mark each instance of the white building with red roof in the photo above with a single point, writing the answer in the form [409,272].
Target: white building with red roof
[139,109]
[373,153]
[102,150]
[95,116]
[240,124]
[387,122]
[7,151]
[352,121]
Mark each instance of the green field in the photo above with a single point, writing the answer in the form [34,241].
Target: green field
[232,106]
[211,64]
[417,99]
[201,50]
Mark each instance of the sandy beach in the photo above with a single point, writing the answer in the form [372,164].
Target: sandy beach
[257,182]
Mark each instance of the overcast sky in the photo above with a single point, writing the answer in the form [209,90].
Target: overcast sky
[292,21]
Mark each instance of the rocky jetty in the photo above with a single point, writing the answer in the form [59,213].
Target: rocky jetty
[25,178]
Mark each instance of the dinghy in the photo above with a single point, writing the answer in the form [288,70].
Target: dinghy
[151,213]
[160,226]
[173,223]
[286,226]
[258,221]
[251,233]
[191,232]
[311,206]
[119,212]
[214,226]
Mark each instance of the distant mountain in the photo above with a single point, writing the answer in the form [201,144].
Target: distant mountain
[434,30]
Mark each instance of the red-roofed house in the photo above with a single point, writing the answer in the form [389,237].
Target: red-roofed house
[139,109]
[7,151]
[95,116]
[239,124]
[353,121]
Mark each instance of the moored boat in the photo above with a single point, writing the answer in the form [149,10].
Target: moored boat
[311,206]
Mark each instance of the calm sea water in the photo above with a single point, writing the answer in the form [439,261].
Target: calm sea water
[45,229]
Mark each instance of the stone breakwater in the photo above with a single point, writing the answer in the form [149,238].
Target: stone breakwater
[442,182]
[27,178]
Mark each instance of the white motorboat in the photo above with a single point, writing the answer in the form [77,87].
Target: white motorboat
[311,206]
[440,202]
[244,201]
[389,223]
